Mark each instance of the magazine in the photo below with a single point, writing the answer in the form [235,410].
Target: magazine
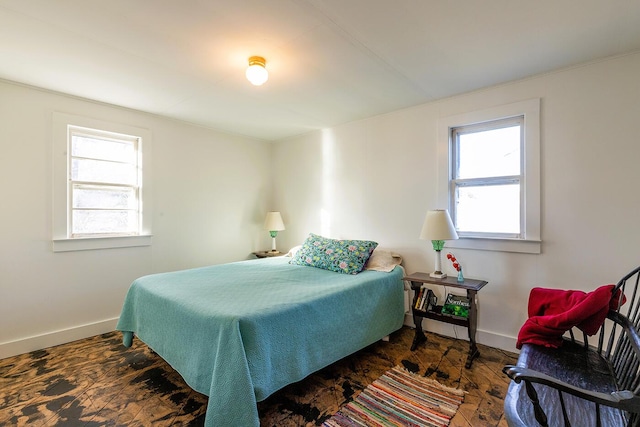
[456,306]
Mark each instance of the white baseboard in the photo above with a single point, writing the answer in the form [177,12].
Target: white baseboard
[38,342]
[495,340]
[488,338]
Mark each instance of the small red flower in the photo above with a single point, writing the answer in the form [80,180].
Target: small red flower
[454,262]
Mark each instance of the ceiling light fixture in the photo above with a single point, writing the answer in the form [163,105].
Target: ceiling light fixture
[256,73]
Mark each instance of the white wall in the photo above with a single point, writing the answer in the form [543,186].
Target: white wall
[371,179]
[376,179]
[210,194]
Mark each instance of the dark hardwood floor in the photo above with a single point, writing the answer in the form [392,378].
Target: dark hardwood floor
[98,382]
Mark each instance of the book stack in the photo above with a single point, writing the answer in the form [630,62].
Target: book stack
[456,306]
[426,300]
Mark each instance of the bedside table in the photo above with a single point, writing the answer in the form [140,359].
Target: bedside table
[267,254]
[472,286]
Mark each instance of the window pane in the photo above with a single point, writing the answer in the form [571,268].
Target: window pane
[489,153]
[101,171]
[104,222]
[489,209]
[104,149]
[104,198]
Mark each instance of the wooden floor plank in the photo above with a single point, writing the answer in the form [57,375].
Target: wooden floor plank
[97,381]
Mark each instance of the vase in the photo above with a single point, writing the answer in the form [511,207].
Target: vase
[460,276]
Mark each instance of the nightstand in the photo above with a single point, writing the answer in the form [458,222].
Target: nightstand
[472,286]
[267,254]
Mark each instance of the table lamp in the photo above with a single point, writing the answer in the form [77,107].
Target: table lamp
[273,223]
[438,227]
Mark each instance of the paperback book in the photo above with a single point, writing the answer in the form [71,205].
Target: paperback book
[456,306]
[426,300]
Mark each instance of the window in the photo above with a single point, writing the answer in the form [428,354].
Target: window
[486,178]
[104,183]
[101,186]
[491,179]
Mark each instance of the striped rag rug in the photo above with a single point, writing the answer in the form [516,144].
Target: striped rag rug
[400,398]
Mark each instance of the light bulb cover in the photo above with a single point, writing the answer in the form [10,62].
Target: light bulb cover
[256,73]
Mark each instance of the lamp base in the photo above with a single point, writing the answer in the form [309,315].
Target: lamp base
[438,275]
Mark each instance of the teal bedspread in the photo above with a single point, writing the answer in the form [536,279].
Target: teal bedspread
[238,332]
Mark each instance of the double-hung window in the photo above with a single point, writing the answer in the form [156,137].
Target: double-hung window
[486,179]
[101,184]
[105,177]
[489,177]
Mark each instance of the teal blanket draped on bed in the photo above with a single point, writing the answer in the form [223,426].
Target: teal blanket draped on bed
[238,332]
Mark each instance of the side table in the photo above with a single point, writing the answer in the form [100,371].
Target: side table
[267,254]
[472,286]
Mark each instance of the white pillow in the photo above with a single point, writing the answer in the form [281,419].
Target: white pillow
[383,260]
[293,250]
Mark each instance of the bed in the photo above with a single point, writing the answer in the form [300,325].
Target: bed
[238,332]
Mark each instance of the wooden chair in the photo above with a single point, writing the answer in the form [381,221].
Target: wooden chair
[580,384]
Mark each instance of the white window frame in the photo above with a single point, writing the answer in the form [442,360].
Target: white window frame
[62,240]
[456,183]
[99,134]
[529,241]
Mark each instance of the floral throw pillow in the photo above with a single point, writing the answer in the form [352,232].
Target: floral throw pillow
[342,256]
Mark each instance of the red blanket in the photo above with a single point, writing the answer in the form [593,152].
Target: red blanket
[552,312]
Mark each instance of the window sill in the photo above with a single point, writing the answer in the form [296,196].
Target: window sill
[91,243]
[502,245]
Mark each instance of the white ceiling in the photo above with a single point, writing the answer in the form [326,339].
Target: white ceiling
[329,61]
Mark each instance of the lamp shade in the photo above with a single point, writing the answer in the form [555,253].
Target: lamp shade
[438,226]
[273,222]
